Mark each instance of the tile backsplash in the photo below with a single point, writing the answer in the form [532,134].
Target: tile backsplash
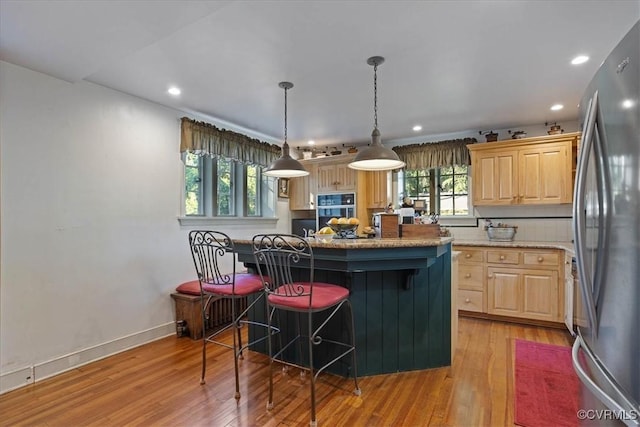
[529,229]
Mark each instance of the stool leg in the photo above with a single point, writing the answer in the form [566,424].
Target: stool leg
[236,352]
[357,390]
[270,349]
[312,377]
[203,305]
[236,304]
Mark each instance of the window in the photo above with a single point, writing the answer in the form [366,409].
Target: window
[225,188]
[445,190]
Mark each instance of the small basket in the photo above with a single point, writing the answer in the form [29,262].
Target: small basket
[501,234]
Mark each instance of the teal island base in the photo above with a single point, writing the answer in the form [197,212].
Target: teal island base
[400,291]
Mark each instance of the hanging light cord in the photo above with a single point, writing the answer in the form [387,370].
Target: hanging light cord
[285,115]
[375,96]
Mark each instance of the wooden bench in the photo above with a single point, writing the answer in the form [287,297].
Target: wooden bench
[188,307]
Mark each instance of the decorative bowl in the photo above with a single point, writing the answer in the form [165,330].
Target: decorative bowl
[324,238]
[344,231]
[501,234]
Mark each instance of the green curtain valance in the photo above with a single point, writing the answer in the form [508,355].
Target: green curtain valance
[205,138]
[435,154]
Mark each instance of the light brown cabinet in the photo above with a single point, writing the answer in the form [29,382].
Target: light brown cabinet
[376,188]
[303,190]
[530,171]
[513,282]
[336,177]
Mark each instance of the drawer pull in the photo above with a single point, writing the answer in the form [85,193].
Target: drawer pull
[466,276]
[540,259]
[467,255]
[490,276]
[467,300]
[501,257]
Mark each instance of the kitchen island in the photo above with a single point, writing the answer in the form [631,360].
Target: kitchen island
[400,290]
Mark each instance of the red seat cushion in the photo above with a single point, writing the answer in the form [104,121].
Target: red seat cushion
[190,288]
[324,296]
[246,283]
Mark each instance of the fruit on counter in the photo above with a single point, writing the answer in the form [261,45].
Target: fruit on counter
[368,230]
[343,221]
[325,230]
[333,221]
[353,221]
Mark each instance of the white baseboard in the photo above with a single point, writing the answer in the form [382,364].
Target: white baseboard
[43,370]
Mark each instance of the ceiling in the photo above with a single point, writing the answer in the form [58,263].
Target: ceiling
[450,66]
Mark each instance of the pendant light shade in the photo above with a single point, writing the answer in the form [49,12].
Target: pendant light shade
[376,157]
[285,166]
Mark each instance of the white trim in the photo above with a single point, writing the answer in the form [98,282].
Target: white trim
[220,220]
[40,371]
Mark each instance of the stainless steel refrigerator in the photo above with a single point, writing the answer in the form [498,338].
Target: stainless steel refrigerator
[606,222]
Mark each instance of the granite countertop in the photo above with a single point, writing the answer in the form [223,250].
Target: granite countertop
[373,243]
[567,246]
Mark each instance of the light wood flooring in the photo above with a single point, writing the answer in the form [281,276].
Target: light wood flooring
[158,385]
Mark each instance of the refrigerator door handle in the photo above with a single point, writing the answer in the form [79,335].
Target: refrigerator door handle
[604,217]
[579,226]
[627,415]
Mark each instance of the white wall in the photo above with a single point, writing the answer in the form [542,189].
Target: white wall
[90,243]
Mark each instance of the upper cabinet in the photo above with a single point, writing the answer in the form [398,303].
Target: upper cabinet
[528,171]
[303,190]
[334,177]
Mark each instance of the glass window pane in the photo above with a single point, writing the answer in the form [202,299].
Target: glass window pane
[193,185]
[252,190]
[224,186]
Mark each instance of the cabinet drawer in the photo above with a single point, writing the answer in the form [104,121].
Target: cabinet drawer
[503,257]
[541,258]
[471,255]
[470,277]
[470,300]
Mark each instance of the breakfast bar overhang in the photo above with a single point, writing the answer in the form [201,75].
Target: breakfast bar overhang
[400,290]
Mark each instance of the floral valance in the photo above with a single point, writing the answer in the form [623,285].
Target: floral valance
[435,154]
[205,138]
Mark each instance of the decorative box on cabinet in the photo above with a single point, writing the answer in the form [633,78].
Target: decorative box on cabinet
[528,171]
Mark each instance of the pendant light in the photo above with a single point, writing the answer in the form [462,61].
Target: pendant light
[376,157]
[285,166]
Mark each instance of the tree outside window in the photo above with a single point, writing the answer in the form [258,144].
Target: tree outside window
[445,190]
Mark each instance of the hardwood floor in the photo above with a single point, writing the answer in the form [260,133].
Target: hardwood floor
[158,384]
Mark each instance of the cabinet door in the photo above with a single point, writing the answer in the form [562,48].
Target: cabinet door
[495,178]
[544,174]
[376,184]
[326,178]
[345,177]
[299,193]
[540,295]
[503,286]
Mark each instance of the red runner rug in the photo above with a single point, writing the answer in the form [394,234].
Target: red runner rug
[546,386]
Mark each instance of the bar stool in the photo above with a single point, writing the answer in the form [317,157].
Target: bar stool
[213,252]
[280,258]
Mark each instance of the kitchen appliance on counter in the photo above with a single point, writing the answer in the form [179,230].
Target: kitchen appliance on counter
[305,227]
[334,205]
[606,352]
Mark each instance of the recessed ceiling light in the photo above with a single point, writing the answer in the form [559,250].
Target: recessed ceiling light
[557,107]
[628,103]
[311,142]
[417,128]
[174,91]
[580,59]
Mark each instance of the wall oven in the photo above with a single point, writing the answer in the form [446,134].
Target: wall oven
[335,205]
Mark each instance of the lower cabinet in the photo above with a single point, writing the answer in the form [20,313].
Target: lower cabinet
[530,294]
[514,282]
